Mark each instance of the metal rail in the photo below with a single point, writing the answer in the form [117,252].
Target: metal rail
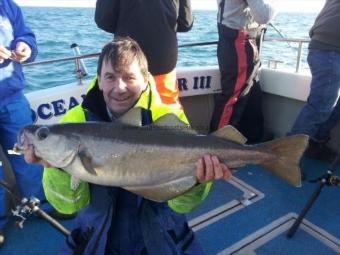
[93,55]
[82,56]
[299,51]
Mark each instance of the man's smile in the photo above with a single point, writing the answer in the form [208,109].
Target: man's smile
[120,99]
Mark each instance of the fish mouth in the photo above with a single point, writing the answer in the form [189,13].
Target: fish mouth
[22,141]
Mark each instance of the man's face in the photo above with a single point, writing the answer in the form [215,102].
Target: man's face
[121,89]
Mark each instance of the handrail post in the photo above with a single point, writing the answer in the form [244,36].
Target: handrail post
[80,65]
[298,60]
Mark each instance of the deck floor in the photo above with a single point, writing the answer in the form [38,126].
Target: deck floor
[249,215]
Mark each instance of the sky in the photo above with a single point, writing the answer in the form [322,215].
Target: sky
[282,5]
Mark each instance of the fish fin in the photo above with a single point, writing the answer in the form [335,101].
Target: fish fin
[288,151]
[165,191]
[74,184]
[231,134]
[172,122]
[133,117]
[87,160]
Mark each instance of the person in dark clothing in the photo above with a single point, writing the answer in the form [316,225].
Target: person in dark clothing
[322,111]
[153,24]
[239,26]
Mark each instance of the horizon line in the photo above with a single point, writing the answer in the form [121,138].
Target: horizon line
[282,6]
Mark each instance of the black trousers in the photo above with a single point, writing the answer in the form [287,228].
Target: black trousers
[237,55]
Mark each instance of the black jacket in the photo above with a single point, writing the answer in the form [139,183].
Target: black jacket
[152,23]
[325,34]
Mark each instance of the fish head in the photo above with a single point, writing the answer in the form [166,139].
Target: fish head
[49,143]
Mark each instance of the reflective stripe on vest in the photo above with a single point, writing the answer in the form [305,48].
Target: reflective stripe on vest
[56,183]
[167,88]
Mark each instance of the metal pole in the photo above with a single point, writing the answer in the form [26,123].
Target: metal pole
[304,211]
[93,55]
[280,34]
[298,60]
[53,222]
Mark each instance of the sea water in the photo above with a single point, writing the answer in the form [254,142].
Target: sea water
[57,28]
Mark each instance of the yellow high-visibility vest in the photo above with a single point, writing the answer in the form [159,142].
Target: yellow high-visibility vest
[57,183]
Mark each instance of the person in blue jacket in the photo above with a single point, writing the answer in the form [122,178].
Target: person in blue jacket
[17,45]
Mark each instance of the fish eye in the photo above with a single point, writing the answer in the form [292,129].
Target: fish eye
[42,133]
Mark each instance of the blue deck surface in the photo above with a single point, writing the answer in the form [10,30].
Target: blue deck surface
[280,200]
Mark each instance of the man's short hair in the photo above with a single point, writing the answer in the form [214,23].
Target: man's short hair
[121,52]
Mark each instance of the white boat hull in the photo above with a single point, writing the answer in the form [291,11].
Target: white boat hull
[284,95]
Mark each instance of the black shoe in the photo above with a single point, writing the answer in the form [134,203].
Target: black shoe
[319,151]
[61,216]
[267,136]
[2,238]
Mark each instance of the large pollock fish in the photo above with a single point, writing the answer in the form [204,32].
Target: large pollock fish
[157,161]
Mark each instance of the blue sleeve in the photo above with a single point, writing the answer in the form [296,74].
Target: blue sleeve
[23,33]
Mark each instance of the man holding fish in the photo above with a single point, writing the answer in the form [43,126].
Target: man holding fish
[113,220]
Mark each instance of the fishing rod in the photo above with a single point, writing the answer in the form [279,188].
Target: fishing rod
[283,36]
[329,179]
[27,206]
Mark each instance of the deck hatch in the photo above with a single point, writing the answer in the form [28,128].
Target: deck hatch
[247,196]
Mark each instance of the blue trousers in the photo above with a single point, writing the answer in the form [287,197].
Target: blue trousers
[119,222]
[322,110]
[13,117]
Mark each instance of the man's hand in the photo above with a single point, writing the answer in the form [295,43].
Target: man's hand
[4,54]
[31,158]
[22,52]
[209,168]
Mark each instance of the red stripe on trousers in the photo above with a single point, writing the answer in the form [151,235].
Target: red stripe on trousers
[241,78]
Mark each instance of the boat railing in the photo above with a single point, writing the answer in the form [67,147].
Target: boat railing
[80,65]
[299,41]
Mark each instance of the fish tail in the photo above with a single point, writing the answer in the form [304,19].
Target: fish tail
[288,152]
